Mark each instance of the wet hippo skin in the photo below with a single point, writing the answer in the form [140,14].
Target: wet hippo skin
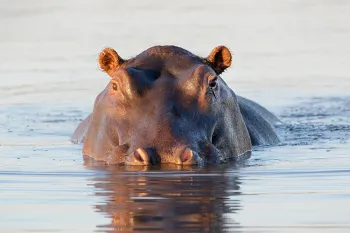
[167,105]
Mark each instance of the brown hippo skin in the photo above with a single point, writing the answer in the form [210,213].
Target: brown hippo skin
[167,105]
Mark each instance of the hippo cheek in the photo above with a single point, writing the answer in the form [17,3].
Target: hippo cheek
[209,152]
[117,155]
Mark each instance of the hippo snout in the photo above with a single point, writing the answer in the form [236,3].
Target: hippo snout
[146,157]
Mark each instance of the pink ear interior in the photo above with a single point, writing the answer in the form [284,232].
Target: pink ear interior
[109,61]
[220,59]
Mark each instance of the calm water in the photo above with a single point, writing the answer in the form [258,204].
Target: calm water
[291,56]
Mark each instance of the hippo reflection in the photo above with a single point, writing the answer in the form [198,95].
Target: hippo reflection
[172,198]
[167,105]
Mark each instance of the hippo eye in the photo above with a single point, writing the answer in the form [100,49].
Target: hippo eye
[114,86]
[213,82]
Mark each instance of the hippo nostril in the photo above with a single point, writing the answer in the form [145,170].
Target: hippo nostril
[175,111]
[141,156]
[138,156]
[186,156]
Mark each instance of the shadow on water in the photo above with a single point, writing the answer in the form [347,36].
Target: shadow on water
[167,198]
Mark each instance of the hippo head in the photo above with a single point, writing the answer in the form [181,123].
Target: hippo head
[166,105]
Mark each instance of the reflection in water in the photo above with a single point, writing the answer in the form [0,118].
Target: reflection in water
[168,198]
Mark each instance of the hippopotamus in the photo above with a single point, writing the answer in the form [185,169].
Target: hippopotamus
[170,106]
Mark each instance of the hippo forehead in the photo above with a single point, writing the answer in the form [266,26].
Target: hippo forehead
[172,59]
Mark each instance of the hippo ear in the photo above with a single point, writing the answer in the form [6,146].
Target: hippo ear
[109,61]
[219,59]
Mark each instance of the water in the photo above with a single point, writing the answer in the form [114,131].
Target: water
[290,56]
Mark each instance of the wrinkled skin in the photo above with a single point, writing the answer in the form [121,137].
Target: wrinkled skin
[167,105]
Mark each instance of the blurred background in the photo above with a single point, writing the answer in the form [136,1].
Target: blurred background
[284,49]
